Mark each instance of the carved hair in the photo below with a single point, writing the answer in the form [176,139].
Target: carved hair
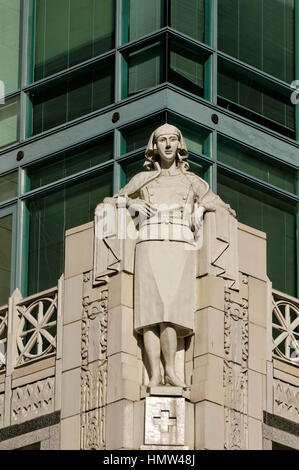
[152,152]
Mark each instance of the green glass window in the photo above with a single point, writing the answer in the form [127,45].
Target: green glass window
[8,186]
[10,44]
[70,162]
[187,67]
[5,257]
[196,138]
[260,33]
[63,101]
[9,121]
[272,215]
[68,32]
[199,168]
[188,17]
[137,136]
[141,17]
[145,68]
[50,216]
[247,94]
[256,164]
[130,168]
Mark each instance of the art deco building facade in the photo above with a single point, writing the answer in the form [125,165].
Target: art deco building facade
[83,84]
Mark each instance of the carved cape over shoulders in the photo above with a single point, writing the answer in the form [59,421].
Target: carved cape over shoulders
[218,255]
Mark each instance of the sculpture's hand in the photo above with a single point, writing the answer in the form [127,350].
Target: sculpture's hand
[140,206]
[209,207]
[230,210]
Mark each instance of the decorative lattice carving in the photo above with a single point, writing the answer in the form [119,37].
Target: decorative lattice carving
[32,400]
[93,365]
[235,372]
[286,400]
[285,327]
[36,334]
[3,335]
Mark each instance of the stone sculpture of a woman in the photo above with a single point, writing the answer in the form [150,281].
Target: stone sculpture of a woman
[169,201]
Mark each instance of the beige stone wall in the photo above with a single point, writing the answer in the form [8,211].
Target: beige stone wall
[231,350]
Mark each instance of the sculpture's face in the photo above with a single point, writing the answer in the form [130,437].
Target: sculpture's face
[167,146]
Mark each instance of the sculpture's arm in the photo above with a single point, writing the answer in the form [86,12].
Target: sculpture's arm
[115,228]
[212,201]
[205,197]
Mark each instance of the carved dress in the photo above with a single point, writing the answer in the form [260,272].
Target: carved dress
[164,289]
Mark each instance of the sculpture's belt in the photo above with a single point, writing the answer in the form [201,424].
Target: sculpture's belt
[165,220]
[171,230]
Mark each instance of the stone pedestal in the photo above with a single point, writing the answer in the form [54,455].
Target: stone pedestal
[166,418]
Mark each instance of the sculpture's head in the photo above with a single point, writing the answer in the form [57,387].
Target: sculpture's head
[166,142]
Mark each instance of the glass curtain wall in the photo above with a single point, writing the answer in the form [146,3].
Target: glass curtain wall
[10,34]
[142,17]
[50,216]
[9,121]
[188,17]
[65,206]
[8,193]
[260,33]
[259,206]
[71,33]
[10,70]
[68,32]
[5,257]
[56,103]
[84,60]
[273,215]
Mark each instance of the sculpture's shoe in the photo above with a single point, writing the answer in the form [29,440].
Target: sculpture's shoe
[155,381]
[174,381]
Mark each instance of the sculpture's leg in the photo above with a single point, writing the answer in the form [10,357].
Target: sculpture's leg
[153,350]
[168,338]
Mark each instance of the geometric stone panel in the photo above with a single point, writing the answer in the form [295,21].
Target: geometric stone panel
[235,386]
[236,331]
[3,336]
[286,400]
[164,421]
[32,400]
[93,432]
[93,386]
[236,430]
[1,409]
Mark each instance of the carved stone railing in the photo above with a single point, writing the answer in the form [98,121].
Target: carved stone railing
[285,327]
[37,325]
[3,335]
[28,328]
